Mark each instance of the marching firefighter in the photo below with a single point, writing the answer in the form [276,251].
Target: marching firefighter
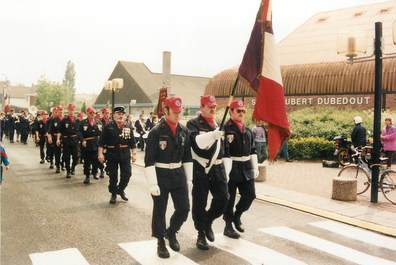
[24,127]
[209,174]
[120,144]
[102,121]
[41,130]
[240,162]
[54,148]
[69,137]
[90,132]
[168,170]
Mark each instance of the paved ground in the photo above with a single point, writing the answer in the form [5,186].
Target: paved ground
[42,212]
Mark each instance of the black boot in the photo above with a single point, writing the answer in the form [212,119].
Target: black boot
[173,243]
[209,232]
[87,180]
[68,175]
[201,241]
[238,224]
[57,170]
[95,176]
[51,166]
[230,232]
[113,198]
[123,195]
[162,251]
[72,172]
[42,161]
[101,174]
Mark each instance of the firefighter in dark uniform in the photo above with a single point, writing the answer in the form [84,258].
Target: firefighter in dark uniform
[54,148]
[41,130]
[209,174]
[240,162]
[11,120]
[24,127]
[69,137]
[168,170]
[103,121]
[120,144]
[90,133]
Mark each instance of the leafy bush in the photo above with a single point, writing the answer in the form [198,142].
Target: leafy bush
[311,148]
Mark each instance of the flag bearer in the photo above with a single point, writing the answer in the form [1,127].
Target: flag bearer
[240,161]
[168,169]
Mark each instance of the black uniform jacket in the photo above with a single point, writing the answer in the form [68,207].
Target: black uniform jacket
[90,134]
[239,145]
[164,147]
[117,141]
[198,126]
[69,130]
[41,128]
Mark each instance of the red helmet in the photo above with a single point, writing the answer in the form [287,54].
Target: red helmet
[105,110]
[71,106]
[91,110]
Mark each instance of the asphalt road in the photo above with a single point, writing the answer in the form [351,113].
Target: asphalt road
[48,219]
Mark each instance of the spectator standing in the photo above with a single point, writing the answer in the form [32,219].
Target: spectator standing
[359,135]
[388,138]
[260,141]
[3,161]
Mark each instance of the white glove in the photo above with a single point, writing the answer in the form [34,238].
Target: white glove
[155,190]
[206,140]
[227,166]
[254,160]
[188,170]
[151,177]
[84,143]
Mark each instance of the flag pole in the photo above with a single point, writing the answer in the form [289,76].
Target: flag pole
[229,102]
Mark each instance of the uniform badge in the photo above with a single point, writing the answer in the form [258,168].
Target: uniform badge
[126,133]
[163,144]
[55,124]
[230,138]
[85,127]
[41,126]
[67,125]
[183,140]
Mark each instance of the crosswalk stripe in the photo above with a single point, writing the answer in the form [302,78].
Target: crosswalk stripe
[70,256]
[253,253]
[145,252]
[357,234]
[325,246]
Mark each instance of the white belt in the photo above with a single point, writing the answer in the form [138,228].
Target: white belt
[168,166]
[240,158]
[203,161]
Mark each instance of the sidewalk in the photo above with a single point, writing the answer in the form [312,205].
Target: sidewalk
[306,186]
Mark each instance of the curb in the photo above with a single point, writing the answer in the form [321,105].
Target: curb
[385,230]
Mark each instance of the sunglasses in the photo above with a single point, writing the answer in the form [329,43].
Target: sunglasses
[241,111]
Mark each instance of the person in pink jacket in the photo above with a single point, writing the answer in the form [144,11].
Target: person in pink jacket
[388,138]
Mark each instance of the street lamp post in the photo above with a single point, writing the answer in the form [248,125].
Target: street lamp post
[378,56]
[131,103]
[114,85]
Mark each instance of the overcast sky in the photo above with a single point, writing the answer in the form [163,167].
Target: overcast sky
[38,37]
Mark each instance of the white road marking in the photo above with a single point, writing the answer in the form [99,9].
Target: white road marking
[253,253]
[145,252]
[357,234]
[325,246]
[69,256]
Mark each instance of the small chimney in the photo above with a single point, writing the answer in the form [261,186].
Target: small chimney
[166,70]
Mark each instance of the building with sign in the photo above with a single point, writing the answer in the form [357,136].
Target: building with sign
[312,72]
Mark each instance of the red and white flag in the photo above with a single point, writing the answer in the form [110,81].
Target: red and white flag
[261,68]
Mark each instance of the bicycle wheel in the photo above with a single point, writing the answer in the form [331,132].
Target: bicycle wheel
[356,172]
[343,157]
[388,185]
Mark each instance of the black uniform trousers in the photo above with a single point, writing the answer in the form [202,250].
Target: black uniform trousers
[181,204]
[24,135]
[43,154]
[122,160]
[216,183]
[70,151]
[54,153]
[11,133]
[91,162]
[248,194]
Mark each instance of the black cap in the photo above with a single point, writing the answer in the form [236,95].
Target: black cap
[119,109]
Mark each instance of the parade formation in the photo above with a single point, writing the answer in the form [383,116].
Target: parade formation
[199,158]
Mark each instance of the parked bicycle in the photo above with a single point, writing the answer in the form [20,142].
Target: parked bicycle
[362,172]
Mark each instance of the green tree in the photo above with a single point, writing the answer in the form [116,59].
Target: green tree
[69,81]
[49,94]
[84,107]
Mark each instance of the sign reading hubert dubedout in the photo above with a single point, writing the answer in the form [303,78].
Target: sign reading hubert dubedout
[328,100]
